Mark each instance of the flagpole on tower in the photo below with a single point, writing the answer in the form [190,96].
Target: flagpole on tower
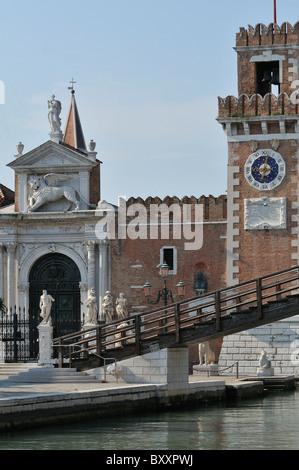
[275,16]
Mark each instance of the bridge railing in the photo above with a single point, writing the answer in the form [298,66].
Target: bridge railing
[172,319]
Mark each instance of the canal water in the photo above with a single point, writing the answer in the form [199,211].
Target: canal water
[271,422]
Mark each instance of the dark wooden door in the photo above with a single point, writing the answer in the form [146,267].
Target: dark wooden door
[60,277]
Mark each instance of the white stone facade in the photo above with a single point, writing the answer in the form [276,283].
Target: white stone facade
[52,215]
[280,340]
[21,247]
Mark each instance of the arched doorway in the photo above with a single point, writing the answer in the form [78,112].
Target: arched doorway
[60,277]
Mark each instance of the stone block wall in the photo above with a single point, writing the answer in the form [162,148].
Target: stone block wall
[280,340]
[166,366]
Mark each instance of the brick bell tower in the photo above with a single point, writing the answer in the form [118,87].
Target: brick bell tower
[262,129]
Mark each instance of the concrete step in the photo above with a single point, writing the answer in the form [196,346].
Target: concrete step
[36,374]
[7,370]
[51,375]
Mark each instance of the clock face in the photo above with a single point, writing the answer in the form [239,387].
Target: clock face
[265,169]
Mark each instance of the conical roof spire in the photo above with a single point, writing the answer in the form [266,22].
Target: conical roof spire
[73,134]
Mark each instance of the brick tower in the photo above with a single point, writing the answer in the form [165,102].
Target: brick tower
[262,129]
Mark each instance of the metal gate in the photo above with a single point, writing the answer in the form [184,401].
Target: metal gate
[18,336]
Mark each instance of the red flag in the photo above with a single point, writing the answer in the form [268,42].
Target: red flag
[274,11]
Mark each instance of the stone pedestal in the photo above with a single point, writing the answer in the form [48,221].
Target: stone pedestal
[88,334]
[268,372]
[2,352]
[45,345]
[210,370]
[56,136]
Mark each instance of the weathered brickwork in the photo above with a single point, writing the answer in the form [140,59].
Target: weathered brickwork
[95,185]
[260,252]
[136,261]
[255,121]
[7,196]
[269,41]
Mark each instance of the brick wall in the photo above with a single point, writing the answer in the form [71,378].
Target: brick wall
[134,262]
[276,41]
[95,184]
[260,252]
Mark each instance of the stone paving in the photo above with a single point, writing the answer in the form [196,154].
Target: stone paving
[10,389]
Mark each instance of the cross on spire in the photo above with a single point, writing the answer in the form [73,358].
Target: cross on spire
[72,87]
[73,134]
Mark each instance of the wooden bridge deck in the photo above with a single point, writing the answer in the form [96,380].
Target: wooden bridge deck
[217,314]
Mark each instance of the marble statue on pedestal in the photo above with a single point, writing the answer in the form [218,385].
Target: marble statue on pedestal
[45,305]
[121,307]
[265,368]
[92,308]
[54,107]
[107,308]
[121,335]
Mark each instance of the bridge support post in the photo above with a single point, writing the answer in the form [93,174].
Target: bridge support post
[218,311]
[177,369]
[259,298]
[177,323]
[166,366]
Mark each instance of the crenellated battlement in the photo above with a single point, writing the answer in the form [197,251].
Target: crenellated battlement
[257,105]
[215,208]
[262,35]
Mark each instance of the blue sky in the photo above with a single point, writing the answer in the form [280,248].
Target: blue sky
[148,74]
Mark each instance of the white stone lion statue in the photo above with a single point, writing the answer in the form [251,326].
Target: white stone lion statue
[45,190]
[206,355]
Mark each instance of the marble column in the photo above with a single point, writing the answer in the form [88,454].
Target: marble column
[11,248]
[84,188]
[23,192]
[1,271]
[91,264]
[23,290]
[103,271]
[83,296]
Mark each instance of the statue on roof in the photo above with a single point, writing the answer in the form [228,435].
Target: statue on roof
[54,107]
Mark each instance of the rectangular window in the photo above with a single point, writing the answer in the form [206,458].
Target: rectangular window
[267,77]
[168,254]
[168,257]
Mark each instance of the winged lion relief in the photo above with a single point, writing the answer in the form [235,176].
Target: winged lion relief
[46,189]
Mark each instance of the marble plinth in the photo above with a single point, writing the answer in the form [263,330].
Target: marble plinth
[268,372]
[206,370]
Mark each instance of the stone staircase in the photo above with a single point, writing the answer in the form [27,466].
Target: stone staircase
[32,373]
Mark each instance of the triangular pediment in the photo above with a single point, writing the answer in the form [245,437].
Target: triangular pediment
[51,155]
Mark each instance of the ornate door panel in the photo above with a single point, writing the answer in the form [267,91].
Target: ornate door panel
[60,277]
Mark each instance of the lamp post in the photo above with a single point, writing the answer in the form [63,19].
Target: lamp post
[165,294]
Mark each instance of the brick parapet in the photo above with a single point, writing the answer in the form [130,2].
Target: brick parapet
[262,35]
[257,105]
[214,208]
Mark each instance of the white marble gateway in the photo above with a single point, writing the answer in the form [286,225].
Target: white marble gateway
[52,217]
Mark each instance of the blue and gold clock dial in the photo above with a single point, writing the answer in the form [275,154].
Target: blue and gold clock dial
[265,169]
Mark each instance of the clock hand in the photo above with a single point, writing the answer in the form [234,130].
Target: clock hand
[265,169]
